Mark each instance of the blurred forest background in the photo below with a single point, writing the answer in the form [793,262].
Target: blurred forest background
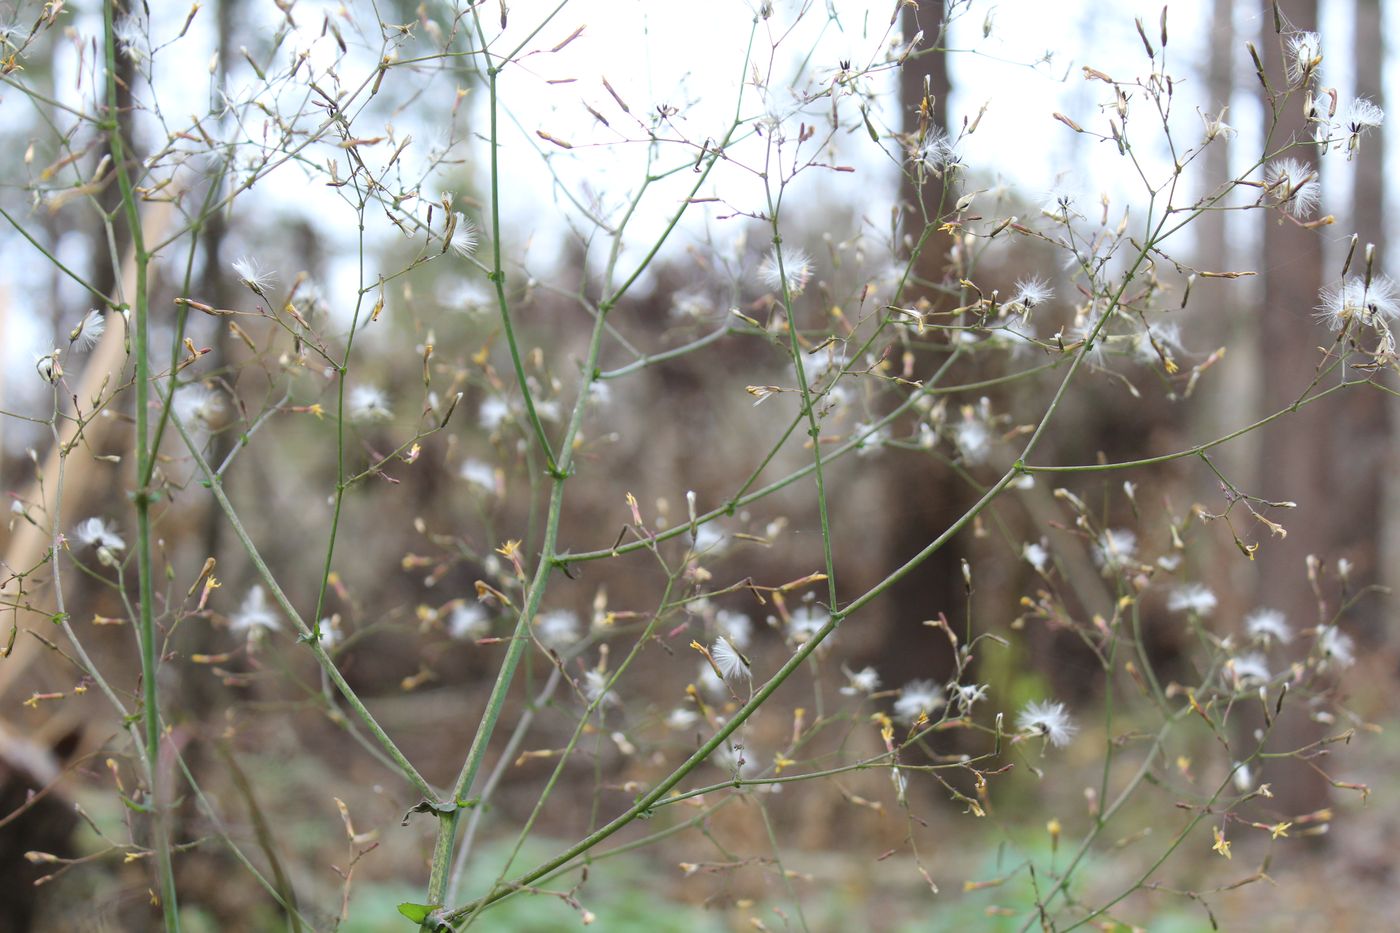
[248,708]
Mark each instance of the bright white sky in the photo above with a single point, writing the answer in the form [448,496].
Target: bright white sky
[678,54]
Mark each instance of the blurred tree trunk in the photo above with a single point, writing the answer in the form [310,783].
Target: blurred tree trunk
[925,71]
[1219,89]
[1293,465]
[1369,193]
[1361,427]
[48,827]
[200,694]
[1231,308]
[26,544]
[104,276]
[1215,251]
[905,651]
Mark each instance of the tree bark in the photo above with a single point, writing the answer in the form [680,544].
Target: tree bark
[1361,436]
[905,652]
[1292,465]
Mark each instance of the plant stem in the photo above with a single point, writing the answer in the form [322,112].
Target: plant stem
[143,495]
[265,574]
[559,472]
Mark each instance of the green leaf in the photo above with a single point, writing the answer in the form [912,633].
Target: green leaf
[870,127]
[133,805]
[418,913]
[430,806]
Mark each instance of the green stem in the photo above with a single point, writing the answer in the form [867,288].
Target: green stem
[929,388]
[647,801]
[493,780]
[559,472]
[143,495]
[593,708]
[265,574]
[813,428]
[1107,814]
[498,278]
[1199,448]
[342,368]
[651,359]
[220,830]
[54,260]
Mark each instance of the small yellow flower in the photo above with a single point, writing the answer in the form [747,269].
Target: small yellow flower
[1221,844]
